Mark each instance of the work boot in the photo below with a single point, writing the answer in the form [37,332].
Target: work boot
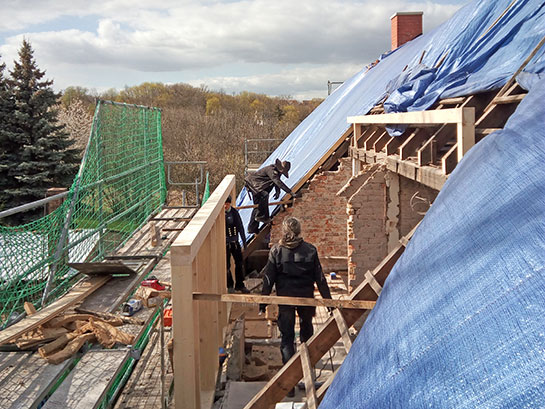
[242,290]
[291,394]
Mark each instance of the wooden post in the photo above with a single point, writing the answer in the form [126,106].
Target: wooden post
[185,329]
[356,164]
[465,131]
[198,264]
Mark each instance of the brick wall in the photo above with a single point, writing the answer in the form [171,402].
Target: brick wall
[367,239]
[368,208]
[321,212]
[405,27]
[409,215]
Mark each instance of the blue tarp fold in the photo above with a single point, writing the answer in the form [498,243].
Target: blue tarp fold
[460,321]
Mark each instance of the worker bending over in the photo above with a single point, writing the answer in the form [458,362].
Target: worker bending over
[234,229]
[293,266]
[260,184]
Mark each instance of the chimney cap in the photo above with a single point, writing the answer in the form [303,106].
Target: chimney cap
[407,13]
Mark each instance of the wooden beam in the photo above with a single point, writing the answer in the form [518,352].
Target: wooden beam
[308,378]
[343,329]
[191,238]
[78,293]
[439,116]
[508,99]
[320,393]
[449,160]
[282,202]
[465,132]
[280,300]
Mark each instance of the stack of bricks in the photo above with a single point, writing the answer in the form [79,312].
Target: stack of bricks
[321,212]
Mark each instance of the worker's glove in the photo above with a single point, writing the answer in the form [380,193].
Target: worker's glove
[330,310]
[262,308]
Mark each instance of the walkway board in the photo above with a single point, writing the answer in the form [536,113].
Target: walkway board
[86,385]
[25,378]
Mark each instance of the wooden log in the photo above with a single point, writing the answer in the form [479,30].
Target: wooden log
[109,316]
[67,319]
[269,299]
[56,345]
[115,334]
[46,314]
[73,346]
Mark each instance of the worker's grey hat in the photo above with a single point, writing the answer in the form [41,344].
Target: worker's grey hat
[283,167]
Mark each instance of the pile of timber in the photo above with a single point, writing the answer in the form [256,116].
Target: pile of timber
[61,337]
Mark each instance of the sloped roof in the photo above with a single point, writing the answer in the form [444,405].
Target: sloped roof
[478,49]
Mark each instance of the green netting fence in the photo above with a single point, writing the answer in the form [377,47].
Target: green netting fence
[120,182]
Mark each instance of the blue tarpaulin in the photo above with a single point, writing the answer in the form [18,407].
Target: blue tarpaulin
[460,322]
[480,48]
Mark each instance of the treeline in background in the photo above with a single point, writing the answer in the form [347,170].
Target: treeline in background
[198,124]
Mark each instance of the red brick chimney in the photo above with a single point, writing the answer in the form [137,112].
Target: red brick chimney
[405,26]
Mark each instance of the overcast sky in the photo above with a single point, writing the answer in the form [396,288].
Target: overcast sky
[276,47]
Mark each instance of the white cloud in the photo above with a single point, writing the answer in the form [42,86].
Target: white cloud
[303,82]
[187,36]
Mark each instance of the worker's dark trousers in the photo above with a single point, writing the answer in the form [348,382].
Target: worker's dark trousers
[260,213]
[233,249]
[286,325]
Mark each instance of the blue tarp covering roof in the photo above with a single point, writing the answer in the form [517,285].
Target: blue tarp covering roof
[460,322]
[477,55]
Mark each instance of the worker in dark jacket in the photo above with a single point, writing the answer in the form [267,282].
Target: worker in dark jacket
[293,266]
[234,229]
[260,184]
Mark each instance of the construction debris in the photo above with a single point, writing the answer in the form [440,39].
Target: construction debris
[63,336]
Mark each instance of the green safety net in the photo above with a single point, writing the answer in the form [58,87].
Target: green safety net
[120,182]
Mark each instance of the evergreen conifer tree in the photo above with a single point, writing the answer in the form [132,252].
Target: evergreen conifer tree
[8,150]
[45,154]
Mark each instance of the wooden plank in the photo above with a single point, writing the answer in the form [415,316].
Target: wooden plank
[320,393]
[428,151]
[439,116]
[110,297]
[102,268]
[78,293]
[190,240]
[280,300]
[29,380]
[312,400]
[465,132]
[88,382]
[207,315]
[508,99]
[371,138]
[449,160]
[382,142]
[343,329]
[413,142]
[185,334]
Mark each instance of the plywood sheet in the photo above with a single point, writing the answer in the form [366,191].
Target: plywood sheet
[25,379]
[86,385]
